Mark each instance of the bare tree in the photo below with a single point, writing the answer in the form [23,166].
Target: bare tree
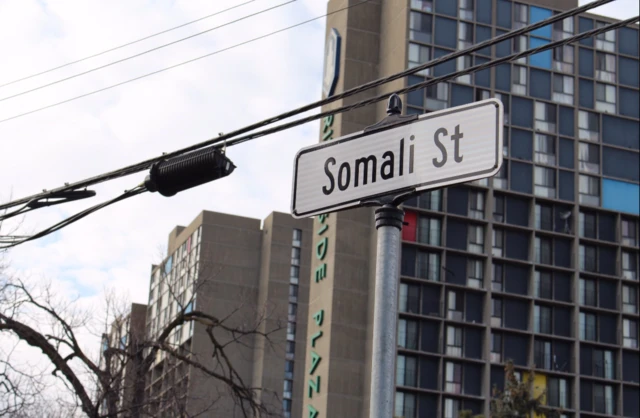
[37,317]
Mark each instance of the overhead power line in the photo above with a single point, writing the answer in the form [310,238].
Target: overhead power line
[184,62]
[145,52]
[126,44]
[13,241]
[144,165]
[362,103]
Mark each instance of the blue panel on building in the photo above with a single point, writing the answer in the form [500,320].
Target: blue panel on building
[629,102]
[444,29]
[484,11]
[628,42]
[541,59]
[445,68]
[620,163]
[522,114]
[585,62]
[621,132]
[482,34]
[621,196]
[585,25]
[447,7]
[586,93]
[483,78]
[536,14]
[566,121]
[503,77]
[540,84]
[461,95]
[504,13]
[629,71]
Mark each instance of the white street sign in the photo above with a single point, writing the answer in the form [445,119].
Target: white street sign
[441,148]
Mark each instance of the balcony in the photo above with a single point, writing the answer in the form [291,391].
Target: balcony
[454,351]
[453,388]
[496,252]
[544,191]
[495,358]
[588,199]
[588,135]
[544,158]
[606,76]
[475,248]
[499,183]
[629,275]
[545,126]
[496,321]
[605,107]
[454,315]
[562,98]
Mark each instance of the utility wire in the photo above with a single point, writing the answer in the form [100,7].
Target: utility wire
[126,44]
[145,52]
[183,63]
[135,168]
[512,57]
[8,242]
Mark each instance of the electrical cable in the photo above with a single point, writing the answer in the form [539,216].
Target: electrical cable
[126,44]
[146,164]
[512,57]
[144,52]
[183,63]
[4,244]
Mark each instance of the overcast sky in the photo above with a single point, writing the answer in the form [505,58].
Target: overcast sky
[115,247]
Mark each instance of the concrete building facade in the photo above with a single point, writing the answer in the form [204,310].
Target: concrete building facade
[255,278]
[538,264]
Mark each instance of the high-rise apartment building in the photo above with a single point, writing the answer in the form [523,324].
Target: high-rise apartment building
[538,264]
[252,276]
[126,333]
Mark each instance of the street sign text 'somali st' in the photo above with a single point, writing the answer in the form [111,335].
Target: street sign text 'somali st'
[438,149]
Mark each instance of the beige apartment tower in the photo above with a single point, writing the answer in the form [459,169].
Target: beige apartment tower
[254,274]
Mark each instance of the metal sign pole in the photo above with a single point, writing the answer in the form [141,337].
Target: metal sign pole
[389,220]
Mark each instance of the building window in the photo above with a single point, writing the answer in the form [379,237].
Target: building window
[520,45]
[542,320]
[563,58]
[463,63]
[418,55]
[296,240]
[437,96]
[409,298]
[287,389]
[475,273]
[451,408]
[605,41]
[454,341]
[589,158]
[496,347]
[587,255]
[465,35]
[520,15]
[558,392]
[476,204]
[408,334]
[476,239]
[587,292]
[424,5]
[588,126]
[544,182]
[587,225]
[453,378]
[545,117]
[544,217]
[430,200]
[294,274]
[291,331]
[543,250]
[455,304]
[498,208]
[500,179]
[504,98]
[629,299]
[429,230]
[406,371]
[405,405]
[496,312]
[603,399]
[605,67]
[589,188]
[629,266]
[497,249]
[542,354]
[295,256]
[629,333]
[420,27]
[587,326]
[605,98]
[466,10]
[603,364]
[563,29]
[519,76]
[629,233]
[286,406]
[497,278]
[545,147]
[542,284]
[429,266]
[562,89]
[292,312]
[293,293]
